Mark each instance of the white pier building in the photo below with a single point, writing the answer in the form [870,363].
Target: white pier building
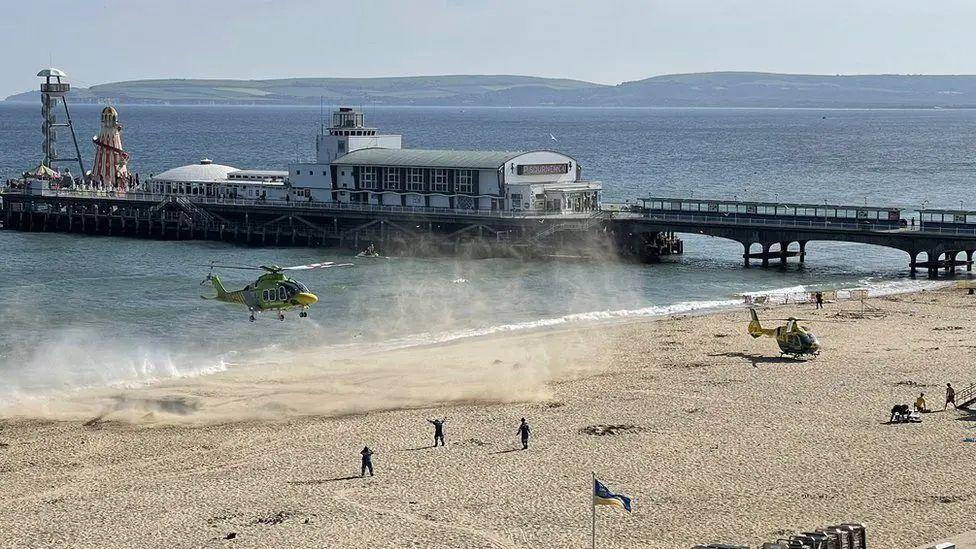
[358,165]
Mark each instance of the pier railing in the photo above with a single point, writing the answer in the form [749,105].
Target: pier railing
[301,204]
[829,224]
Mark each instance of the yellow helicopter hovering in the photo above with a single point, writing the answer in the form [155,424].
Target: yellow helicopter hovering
[793,339]
[272,291]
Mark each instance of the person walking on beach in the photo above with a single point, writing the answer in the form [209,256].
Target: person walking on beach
[524,432]
[818,297]
[438,430]
[950,397]
[367,461]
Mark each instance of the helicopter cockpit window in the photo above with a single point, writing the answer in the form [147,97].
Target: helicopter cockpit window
[293,287]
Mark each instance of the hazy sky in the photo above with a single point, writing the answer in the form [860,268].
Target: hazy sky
[97,41]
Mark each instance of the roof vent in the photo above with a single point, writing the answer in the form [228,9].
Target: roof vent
[206,161]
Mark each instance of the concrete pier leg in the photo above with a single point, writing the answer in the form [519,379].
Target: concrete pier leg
[765,254]
[969,260]
[934,259]
[784,247]
[913,263]
[803,251]
[745,256]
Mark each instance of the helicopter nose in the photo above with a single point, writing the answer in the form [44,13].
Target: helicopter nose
[306,298]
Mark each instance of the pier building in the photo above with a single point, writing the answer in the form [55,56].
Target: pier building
[206,179]
[357,164]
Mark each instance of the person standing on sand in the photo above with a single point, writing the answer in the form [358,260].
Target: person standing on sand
[438,430]
[367,461]
[950,397]
[524,432]
[818,297]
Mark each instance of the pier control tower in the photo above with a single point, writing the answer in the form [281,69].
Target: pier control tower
[348,133]
[53,91]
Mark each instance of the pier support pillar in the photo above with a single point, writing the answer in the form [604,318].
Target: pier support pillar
[934,259]
[784,248]
[803,251]
[969,260]
[765,254]
[745,255]
[950,264]
[913,263]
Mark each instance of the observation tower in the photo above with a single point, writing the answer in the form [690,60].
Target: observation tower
[53,91]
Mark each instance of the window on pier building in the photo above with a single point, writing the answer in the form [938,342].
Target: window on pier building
[415,179]
[465,181]
[439,181]
[367,177]
[391,179]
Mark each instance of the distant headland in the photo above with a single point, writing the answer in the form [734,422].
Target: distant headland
[712,89]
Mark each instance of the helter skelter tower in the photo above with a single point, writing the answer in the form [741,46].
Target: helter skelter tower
[53,90]
[110,170]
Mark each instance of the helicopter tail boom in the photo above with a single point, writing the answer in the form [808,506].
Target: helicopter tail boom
[221,292]
[755,327]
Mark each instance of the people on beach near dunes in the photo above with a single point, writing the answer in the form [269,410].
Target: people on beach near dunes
[524,431]
[438,430]
[920,403]
[367,461]
[818,297]
[950,397]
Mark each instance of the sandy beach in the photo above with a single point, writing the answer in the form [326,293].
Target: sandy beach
[716,439]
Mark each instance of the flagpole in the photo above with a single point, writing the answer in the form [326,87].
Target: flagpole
[593,509]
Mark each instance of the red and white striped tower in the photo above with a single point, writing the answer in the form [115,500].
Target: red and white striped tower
[110,171]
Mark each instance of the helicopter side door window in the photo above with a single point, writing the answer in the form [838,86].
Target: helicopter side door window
[281,293]
[264,296]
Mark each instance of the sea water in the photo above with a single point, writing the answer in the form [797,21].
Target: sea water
[81,311]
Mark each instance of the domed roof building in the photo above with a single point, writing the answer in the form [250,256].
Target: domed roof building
[203,172]
[218,180]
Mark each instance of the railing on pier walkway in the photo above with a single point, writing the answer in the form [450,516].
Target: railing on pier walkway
[806,216]
[323,207]
[788,223]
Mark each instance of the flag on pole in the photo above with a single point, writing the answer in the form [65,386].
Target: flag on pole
[603,496]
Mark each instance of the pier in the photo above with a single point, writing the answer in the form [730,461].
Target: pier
[400,229]
[771,234]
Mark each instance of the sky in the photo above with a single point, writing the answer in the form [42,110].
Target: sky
[608,41]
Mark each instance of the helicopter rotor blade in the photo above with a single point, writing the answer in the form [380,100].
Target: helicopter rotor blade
[241,267]
[310,266]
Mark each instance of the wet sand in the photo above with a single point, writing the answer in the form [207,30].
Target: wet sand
[715,438]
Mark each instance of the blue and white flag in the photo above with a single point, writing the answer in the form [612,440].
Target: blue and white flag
[603,496]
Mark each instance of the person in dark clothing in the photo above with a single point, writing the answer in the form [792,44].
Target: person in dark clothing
[367,461]
[524,432]
[950,397]
[438,430]
[819,298]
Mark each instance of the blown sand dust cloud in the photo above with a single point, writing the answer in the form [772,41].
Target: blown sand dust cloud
[713,435]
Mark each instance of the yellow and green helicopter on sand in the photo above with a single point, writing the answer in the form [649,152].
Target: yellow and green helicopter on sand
[793,339]
[272,291]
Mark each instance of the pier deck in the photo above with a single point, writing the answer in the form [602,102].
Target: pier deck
[421,231]
[642,233]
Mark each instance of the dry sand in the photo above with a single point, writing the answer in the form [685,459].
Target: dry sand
[723,442]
